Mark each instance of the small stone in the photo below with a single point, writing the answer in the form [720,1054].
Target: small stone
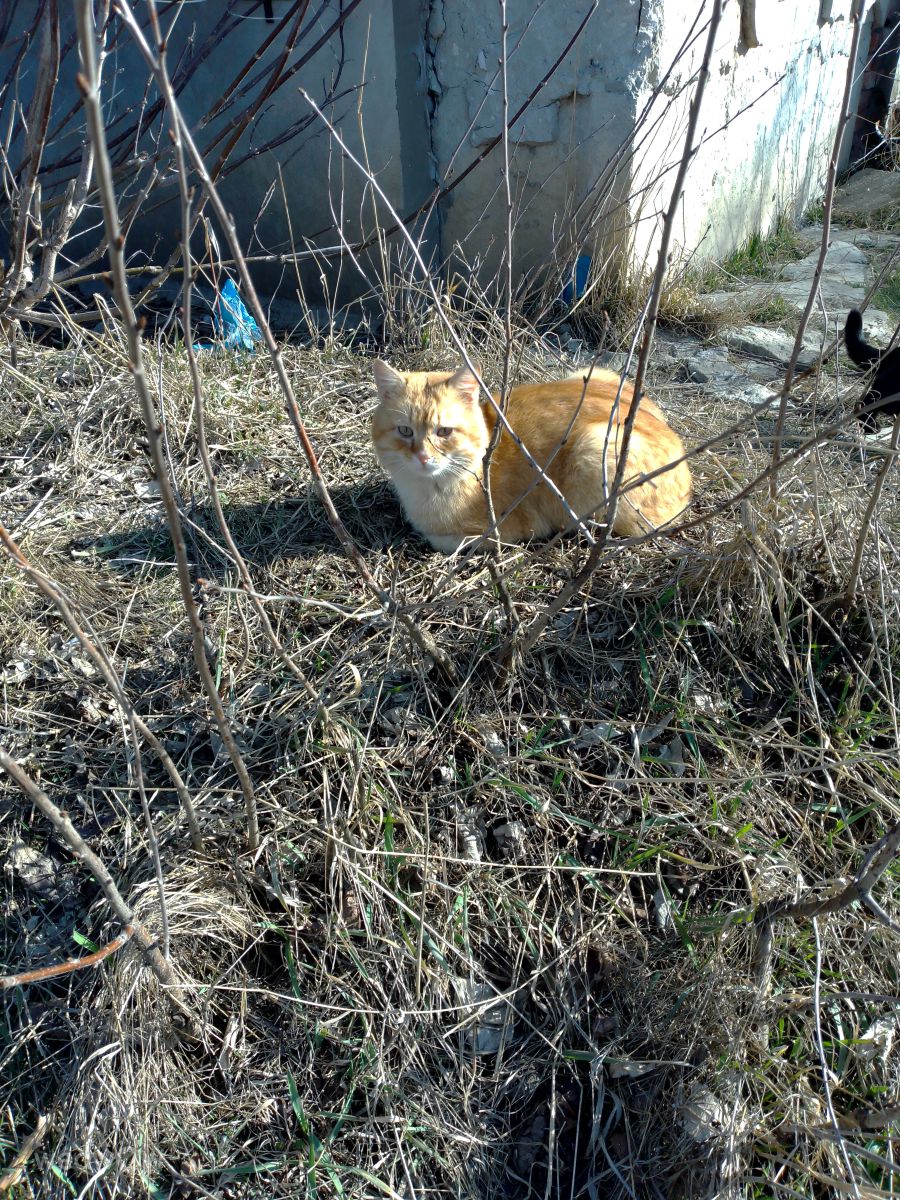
[710,366]
[662,911]
[878,1040]
[672,754]
[493,743]
[401,718]
[510,839]
[38,872]
[595,735]
[748,392]
[486,1032]
[83,666]
[844,262]
[704,1117]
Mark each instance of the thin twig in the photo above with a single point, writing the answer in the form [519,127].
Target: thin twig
[88,86]
[823,1062]
[13,1174]
[60,821]
[828,204]
[494,551]
[858,889]
[868,515]
[36,125]
[422,639]
[199,414]
[90,644]
[72,964]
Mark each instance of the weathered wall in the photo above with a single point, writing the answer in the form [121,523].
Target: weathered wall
[382,118]
[769,118]
[563,142]
[591,160]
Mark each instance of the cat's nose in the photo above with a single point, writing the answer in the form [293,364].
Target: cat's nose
[423,456]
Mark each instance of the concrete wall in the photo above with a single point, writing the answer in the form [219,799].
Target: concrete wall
[561,145]
[769,118]
[591,160]
[374,67]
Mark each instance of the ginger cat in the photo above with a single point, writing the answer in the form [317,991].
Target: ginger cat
[430,434]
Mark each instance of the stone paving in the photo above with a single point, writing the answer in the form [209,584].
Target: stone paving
[749,360]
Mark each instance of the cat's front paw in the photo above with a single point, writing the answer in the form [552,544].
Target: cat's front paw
[448,543]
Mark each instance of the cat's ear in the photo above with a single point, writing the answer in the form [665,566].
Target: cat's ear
[465,384]
[390,383]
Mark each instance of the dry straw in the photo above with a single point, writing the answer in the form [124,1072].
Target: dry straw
[617,920]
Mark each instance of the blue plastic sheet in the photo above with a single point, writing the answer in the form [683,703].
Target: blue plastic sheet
[578,281]
[234,326]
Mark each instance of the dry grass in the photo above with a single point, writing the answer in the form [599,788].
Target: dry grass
[495,942]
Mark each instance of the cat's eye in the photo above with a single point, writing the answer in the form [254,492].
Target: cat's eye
[443,431]
[404,431]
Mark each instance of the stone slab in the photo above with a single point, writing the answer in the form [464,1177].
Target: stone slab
[868,192]
[865,239]
[772,345]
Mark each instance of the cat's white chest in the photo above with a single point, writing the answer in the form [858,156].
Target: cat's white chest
[419,495]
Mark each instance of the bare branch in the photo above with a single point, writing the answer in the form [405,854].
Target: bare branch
[73,964]
[13,1174]
[390,605]
[88,85]
[199,417]
[873,867]
[101,661]
[510,651]
[60,821]
[868,516]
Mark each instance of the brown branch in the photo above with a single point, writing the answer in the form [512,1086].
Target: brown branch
[869,1120]
[60,821]
[37,122]
[13,1174]
[71,964]
[88,85]
[240,123]
[103,664]
[251,62]
[494,551]
[859,889]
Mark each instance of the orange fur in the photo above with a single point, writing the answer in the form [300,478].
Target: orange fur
[437,469]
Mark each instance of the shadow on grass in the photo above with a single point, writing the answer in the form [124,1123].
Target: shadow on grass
[266,531]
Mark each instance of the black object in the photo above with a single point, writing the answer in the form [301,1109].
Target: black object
[883,395]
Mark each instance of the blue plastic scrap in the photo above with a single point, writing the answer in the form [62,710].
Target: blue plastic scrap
[578,280]
[234,326]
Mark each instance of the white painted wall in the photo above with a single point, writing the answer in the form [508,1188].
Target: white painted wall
[769,119]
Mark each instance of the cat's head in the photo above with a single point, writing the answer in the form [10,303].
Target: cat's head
[428,423]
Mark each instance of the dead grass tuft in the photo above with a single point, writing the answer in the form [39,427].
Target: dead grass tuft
[495,939]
